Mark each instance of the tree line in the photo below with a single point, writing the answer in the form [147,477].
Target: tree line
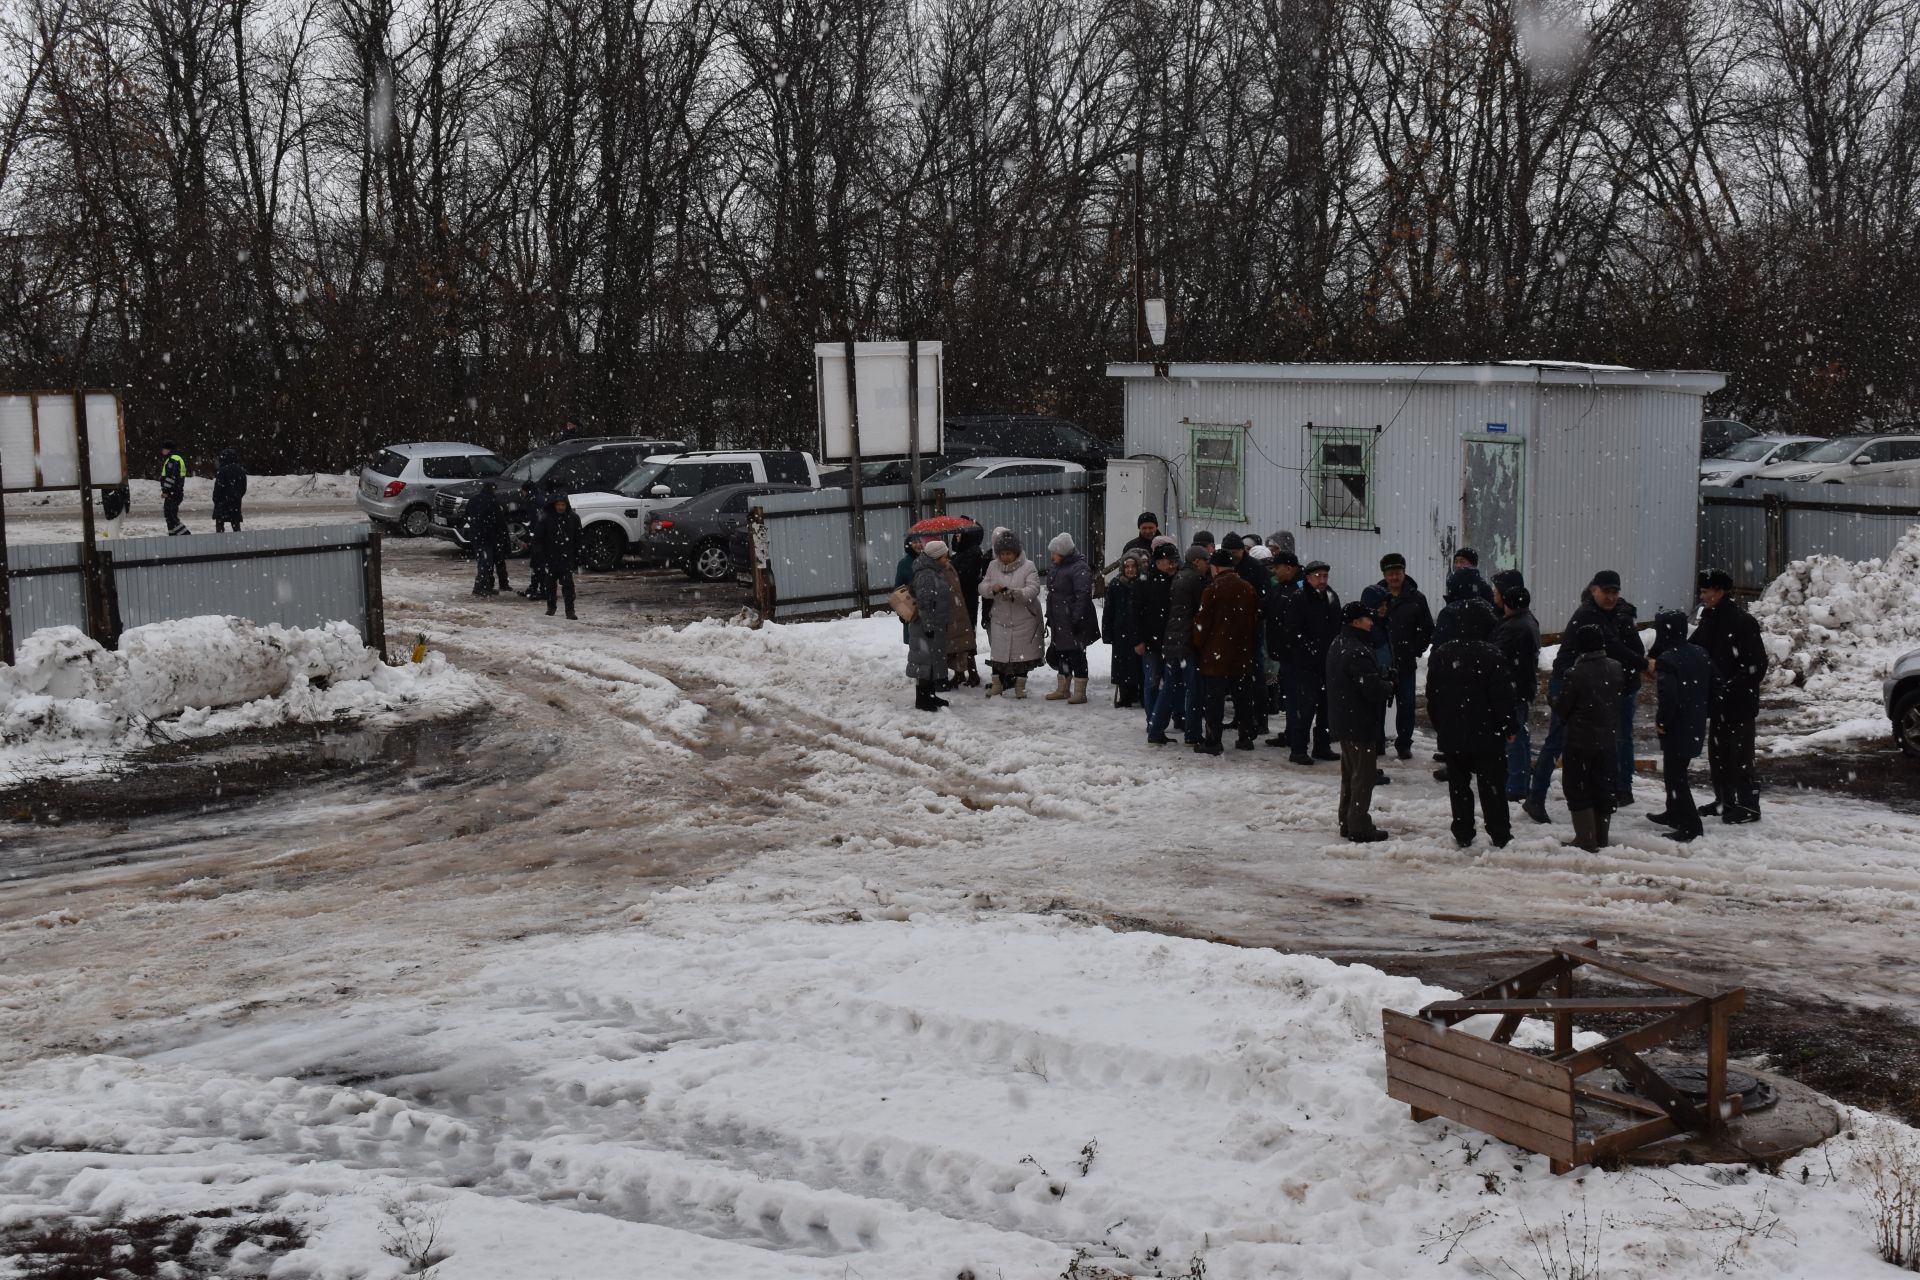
[312,227]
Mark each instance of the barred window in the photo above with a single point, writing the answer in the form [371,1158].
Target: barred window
[1339,477]
[1216,471]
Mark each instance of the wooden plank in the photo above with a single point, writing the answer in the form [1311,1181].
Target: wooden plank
[1655,1086]
[1461,1044]
[1557,1100]
[1499,1126]
[1624,1101]
[1562,1018]
[1549,1123]
[1634,1135]
[1716,1068]
[1597,1056]
[1555,1004]
[1523,983]
[1628,969]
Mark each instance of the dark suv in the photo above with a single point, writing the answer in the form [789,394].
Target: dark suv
[1019,435]
[584,465]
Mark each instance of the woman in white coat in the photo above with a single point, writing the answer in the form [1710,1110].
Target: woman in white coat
[1016,629]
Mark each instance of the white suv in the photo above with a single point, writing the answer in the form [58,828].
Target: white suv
[1884,459]
[1730,468]
[615,522]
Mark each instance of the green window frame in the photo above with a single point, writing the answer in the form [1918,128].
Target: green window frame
[1216,471]
[1339,477]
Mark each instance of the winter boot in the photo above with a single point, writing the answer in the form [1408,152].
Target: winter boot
[1662,819]
[1060,690]
[923,699]
[1536,809]
[551,611]
[1603,827]
[572,615]
[996,686]
[1079,691]
[1020,686]
[1586,832]
[973,675]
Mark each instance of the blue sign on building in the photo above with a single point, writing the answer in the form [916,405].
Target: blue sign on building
[1499,428]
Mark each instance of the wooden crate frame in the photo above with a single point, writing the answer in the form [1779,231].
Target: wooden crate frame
[1529,1100]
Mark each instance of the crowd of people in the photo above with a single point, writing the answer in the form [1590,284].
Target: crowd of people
[1241,620]
[555,544]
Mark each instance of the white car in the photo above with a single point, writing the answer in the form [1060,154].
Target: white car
[615,523]
[1730,469]
[1881,459]
[1001,468]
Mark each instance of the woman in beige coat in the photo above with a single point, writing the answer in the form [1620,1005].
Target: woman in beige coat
[1016,630]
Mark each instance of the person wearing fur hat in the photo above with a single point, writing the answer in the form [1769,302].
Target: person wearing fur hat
[1149,528]
[1602,608]
[1356,692]
[1226,636]
[1314,623]
[1120,629]
[1683,677]
[1071,623]
[933,599]
[1731,639]
[1588,704]
[1409,629]
[1016,631]
[1152,601]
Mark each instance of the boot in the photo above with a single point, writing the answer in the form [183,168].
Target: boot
[1603,827]
[1079,692]
[572,615]
[1661,819]
[973,676]
[923,700]
[1712,809]
[551,611]
[1019,686]
[1586,833]
[1059,693]
[1535,809]
[996,686]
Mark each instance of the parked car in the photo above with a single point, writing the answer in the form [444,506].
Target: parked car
[614,521]
[1717,435]
[707,535]
[1002,468]
[1861,459]
[567,466]
[1902,694]
[1009,435]
[1730,470]
[889,471]
[398,486]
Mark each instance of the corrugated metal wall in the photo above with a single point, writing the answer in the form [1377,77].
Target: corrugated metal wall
[1734,538]
[1611,474]
[45,599]
[809,534]
[1734,526]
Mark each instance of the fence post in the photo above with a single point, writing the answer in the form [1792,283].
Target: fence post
[762,571]
[96,570]
[937,501]
[1776,517]
[6,582]
[376,602]
[859,534]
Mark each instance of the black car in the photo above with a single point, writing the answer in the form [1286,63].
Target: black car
[707,536]
[887,471]
[1717,435]
[580,465]
[1016,435]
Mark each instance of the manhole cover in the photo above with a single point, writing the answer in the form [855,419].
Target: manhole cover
[1690,1079]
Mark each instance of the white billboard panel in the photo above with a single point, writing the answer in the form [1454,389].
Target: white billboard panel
[881,383]
[39,448]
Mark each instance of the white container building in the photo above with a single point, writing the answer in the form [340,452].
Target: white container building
[1557,469]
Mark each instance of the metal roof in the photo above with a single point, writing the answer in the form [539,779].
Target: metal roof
[1698,381]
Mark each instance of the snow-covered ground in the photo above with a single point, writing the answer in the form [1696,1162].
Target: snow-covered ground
[272,502]
[731,964]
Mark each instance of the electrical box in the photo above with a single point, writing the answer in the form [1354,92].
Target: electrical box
[1135,485]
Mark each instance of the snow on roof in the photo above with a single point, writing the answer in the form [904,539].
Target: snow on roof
[1697,381]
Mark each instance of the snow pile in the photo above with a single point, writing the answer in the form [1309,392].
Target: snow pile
[66,698]
[1833,629]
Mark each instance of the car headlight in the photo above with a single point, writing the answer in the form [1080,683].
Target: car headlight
[1801,475]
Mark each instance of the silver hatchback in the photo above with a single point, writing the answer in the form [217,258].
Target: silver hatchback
[397,487]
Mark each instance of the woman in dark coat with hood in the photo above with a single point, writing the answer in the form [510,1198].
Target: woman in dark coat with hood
[229,487]
[1120,629]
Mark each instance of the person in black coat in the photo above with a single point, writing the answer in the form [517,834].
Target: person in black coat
[1152,600]
[229,487]
[1617,621]
[1356,699]
[1471,701]
[486,522]
[969,561]
[1275,611]
[1683,676]
[1410,627]
[557,541]
[1314,620]
[1468,558]
[534,503]
[1118,627]
[1517,637]
[1732,642]
[1464,587]
[1588,704]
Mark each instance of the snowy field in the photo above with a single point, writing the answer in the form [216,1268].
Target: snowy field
[272,502]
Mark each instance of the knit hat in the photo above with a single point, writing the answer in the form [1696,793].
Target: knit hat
[1587,639]
[1062,544]
[1517,598]
[1203,539]
[1506,580]
[1468,554]
[1670,628]
[1165,550]
[1375,596]
[1195,552]
[1355,611]
[1258,551]
[1162,540]
[1316,566]
[1463,584]
[1233,542]
[1392,560]
[936,548]
[1146,517]
[1137,554]
[1718,579]
[1222,557]
[1606,578]
[1004,541]
[1280,541]
[1284,556]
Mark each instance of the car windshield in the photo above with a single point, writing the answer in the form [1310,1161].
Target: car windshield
[636,482]
[1832,450]
[532,466]
[958,471]
[1750,451]
[486,464]
[1793,449]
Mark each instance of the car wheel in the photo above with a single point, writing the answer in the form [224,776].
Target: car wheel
[1906,723]
[519,538]
[606,547]
[415,522]
[711,563]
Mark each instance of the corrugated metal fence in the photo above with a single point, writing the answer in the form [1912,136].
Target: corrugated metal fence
[1756,532]
[809,557]
[304,577]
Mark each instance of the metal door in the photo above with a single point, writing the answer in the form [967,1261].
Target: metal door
[1493,501]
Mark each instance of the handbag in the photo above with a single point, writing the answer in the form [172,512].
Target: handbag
[900,600]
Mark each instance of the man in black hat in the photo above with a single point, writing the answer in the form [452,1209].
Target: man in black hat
[1468,558]
[1732,640]
[1356,698]
[1587,704]
[1470,701]
[1517,637]
[1683,674]
[1149,528]
[1316,620]
[1410,628]
[1614,619]
[1277,616]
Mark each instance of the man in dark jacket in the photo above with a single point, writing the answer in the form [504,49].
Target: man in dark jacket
[1226,634]
[1732,640]
[1468,558]
[1183,605]
[1601,608]
[229,487]
[1588,704]
[1471,701]
[486,522]
[1149,528]
[1356,695]
[969,560]
[1152,600]
[1410,627]
[1314,621]
[557,539]
[1683,676]
[1517,637]
[534,503]
[1250,694]
[1276,611]
[903,576]
[1464,587]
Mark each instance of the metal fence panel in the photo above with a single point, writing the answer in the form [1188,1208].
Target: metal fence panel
[41,599]
[295,577]
[1734,538]
[1851,535]
[1756,533]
